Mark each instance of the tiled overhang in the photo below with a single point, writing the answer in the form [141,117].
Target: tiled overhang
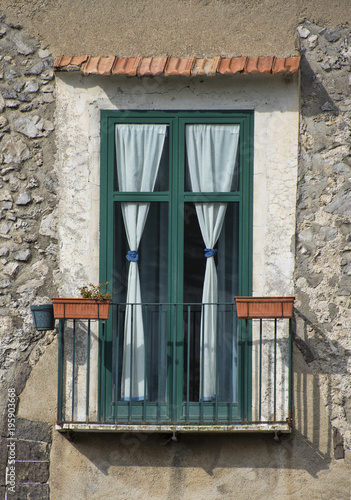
[175,66]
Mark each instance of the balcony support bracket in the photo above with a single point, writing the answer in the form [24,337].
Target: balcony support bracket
[277,437]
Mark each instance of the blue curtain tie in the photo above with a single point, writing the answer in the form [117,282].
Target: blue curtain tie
[132,255]
[210,252]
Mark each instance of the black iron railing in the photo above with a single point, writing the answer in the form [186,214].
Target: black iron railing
[249,362]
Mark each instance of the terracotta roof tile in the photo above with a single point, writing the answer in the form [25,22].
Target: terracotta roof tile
[288,65]
[152,66]
[91,66]
[57,63]
[158,65]
[179,66]
[205,67]
[145,67]
[251,65]
[78,60]
[126,66]
[173,66]
[119,65]
[224,67]
[62,61]
[279,66]
[232,65]
[292,64]
[265,64]
[105,65]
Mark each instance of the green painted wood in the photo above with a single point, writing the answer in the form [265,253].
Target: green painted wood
[73,368]
[88,375]
[60,370]
[176,197]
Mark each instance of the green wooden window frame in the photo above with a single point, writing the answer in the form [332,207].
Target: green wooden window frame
[176,121]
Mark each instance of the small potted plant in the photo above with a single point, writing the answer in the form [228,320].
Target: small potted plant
[94,304]
[264,307]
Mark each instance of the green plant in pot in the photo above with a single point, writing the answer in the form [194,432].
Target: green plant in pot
[94,304]
[94,292]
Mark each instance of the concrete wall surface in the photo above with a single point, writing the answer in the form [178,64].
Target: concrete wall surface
[202,28]
[251,466]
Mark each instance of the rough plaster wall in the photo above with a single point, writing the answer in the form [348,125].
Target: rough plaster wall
[204,28]
[119,466]
[275,101]
[244,467]
[323,257]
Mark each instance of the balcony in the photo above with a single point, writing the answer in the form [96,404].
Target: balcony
[239,380]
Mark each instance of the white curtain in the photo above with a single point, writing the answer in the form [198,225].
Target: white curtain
[138,154]
[211,153]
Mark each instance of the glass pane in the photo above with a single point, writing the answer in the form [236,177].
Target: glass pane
[212,158]
[140,151]
[227,270]
[153,272]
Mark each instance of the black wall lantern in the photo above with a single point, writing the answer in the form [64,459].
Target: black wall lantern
[43,317]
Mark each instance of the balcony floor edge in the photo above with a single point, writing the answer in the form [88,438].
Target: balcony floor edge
[154,428]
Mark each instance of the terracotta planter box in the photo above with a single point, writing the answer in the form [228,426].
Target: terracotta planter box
[264,307]
[67,308]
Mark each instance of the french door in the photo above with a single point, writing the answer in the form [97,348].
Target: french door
[176,245]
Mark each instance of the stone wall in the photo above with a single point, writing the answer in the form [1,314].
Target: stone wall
[323,253]
[29,251]
[27,194]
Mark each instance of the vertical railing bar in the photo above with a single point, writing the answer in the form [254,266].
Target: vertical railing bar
[290,371]
[193,352]
[60,371]
[246,369]
[231,368]
[202,362]
[101,368]
[116,336]
[260,377]
[174,362]
[113,368]
[73,366]
[188,366]
[275,369]
[131,364]
[217,381]
[103,382]
[146,336]
[159,363]
[88,376]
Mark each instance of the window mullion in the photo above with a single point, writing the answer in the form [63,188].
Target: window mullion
[178,271]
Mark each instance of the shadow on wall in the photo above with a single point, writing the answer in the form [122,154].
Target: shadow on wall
[177,92]
[208,452]
[316,99]
[313,410]
[310,447]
